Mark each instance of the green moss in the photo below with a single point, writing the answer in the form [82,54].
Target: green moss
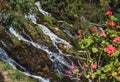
[69,50]
[4,66]
[13,74]
[68,27]
[51,20]
[36,33]
[15,41]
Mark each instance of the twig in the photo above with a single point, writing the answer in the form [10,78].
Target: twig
[99,25]
[100,57]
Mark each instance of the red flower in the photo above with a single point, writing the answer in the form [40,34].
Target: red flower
[93,30]
[93,66]
[73,67]
[79,36]
[118,26]
[79,31]
[110,49]
[108,13]
[111,23]
[68,72]
[116,39]
[102,34]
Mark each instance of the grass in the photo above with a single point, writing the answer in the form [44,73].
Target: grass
[9,74]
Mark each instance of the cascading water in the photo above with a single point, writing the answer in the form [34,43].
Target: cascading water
[68,33]
[4,57]
[41,10]
[60,61]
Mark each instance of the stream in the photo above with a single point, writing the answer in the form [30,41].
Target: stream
[60,61]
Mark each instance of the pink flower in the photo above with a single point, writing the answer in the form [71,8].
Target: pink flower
[68,72]
[111,23]
[93,66]
[108,13]
[102,34]
[116,39]
[79,36]
[110,49]
[93,30]
[118,26]
[73,67]
[79,31]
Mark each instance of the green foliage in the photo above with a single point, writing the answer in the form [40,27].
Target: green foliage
[15,10]
[13,74]
[72,10]
[94,50]
[59,76]
[102,50]
[85,43]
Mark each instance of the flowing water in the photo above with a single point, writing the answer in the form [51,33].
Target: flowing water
[4,57]
[60,61]
[41,10]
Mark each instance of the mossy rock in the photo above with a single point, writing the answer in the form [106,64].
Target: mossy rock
[15,41]
[9,74]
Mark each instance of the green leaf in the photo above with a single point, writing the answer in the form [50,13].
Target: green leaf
[107,68]
[76,70]
[103,76]
[113,18]
[94,50]
[85,43]
[59,76]
[98,72]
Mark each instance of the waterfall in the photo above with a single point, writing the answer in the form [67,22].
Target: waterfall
[68,33]
[41,10]
[58,59]
[4,57]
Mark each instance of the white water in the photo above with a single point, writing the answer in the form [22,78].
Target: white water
[41,10]
[54,57]
[58,59]
[4,57]
[68,33]
[54,38]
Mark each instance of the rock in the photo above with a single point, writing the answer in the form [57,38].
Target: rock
[33,59]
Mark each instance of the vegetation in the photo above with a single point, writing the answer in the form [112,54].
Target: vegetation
[102,51]
[9,74]
[94,27]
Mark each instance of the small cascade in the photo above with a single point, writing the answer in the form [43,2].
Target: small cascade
[4,57]
[59,60]
[54,38]
[41,10]
[26,34]
[68,33]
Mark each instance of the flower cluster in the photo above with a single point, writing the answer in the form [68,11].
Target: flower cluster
[102,46]
[72,68]
[79,33]
[116,39]
[108,13]
[111,23]
[110,49]
[93,30]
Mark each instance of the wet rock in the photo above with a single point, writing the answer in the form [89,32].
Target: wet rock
[33,59]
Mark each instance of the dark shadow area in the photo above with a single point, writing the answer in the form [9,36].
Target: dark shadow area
[1,78]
